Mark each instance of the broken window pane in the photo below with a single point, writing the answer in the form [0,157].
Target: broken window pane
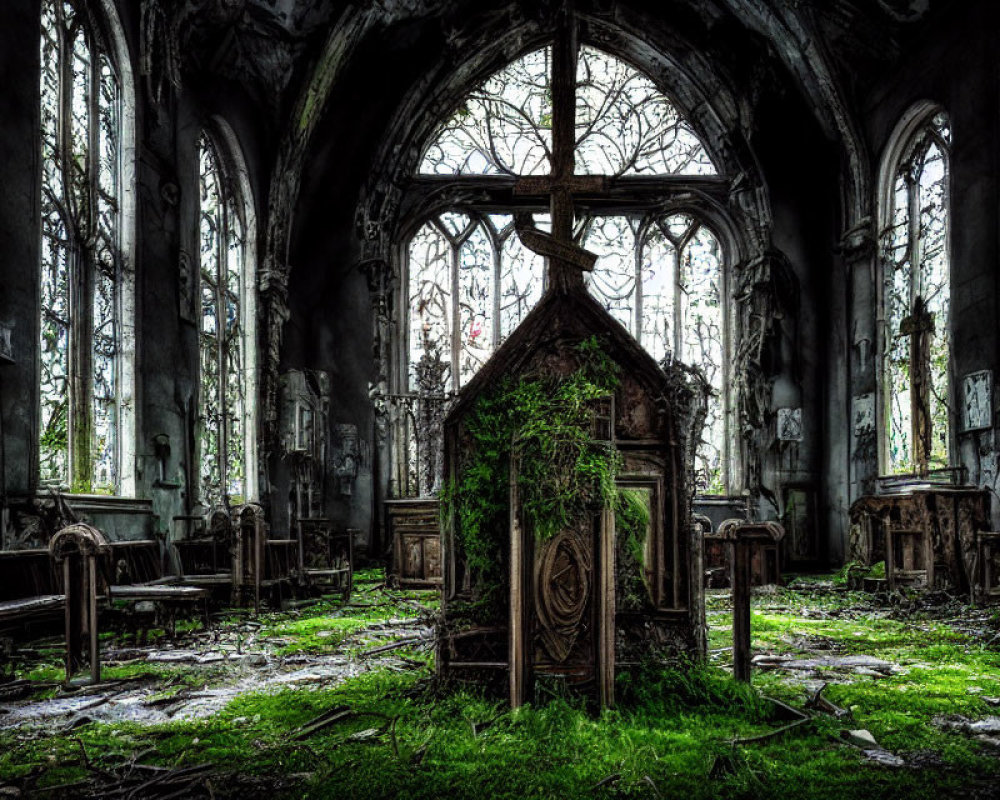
[503,127]
[684,317]
[612,282]
[430,310]
[476,290]
[624,124]
[520,281]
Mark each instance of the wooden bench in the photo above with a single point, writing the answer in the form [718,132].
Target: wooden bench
[233,552]
[136,582]
[261,565]
[204,547]
[416,541]
[986,578]
[909,557]
[30,591]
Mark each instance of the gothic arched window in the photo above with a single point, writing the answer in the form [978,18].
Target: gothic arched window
[86,343]
[468,280]
[916,387]
[226,432]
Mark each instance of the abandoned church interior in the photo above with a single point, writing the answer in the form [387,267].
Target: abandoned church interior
[499,398]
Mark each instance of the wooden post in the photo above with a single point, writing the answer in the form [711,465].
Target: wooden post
[517,657]
[928,547]
[890,558]
[742,537]
[606,610]
[69,592]
[90,570]
[78,547]
[986,550]
[741,609]
[258,558]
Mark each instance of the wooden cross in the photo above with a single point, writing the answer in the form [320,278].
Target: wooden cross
[566,260]
[919,326]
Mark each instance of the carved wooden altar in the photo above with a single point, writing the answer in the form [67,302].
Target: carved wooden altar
[949,516]
[585,603]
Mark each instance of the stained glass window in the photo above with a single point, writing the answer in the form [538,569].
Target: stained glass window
[82,290]
[222,406]
[916,292]
[624,124]
[662,278]
[470,281]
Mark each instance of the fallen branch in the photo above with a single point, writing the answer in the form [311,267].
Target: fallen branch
[608,781]
[772,734]
[394,646]
[800,718]
[820,703]
[324,720]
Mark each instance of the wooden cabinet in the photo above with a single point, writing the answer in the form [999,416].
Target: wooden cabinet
[416,541]
[947,516]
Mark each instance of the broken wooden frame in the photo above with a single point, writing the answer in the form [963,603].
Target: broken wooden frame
[415,528]
[949,516]
[260,563]
[325,554]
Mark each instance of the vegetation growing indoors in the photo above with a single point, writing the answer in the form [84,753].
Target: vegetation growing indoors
[334,701]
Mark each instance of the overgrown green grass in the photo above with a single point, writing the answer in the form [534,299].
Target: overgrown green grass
[672,734]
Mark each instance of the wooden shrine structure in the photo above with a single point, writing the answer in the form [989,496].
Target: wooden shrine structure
[586,602]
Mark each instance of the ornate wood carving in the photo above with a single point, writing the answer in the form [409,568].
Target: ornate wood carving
[563,583]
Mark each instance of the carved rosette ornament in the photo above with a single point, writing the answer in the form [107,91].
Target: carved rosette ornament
[562,590]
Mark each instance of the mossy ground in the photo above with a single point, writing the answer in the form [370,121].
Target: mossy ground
[672,736]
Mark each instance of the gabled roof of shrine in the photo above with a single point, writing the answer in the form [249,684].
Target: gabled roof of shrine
[569,315]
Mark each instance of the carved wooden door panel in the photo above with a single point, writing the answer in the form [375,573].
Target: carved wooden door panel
[562,605]
[564,608]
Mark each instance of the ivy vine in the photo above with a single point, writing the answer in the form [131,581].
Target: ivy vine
[546,423]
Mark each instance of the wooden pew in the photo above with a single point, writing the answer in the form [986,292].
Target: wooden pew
[30,590]
[204,547]
[96,572]
[260,564]
[136,580]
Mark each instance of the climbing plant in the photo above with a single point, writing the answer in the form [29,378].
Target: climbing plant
[545,422]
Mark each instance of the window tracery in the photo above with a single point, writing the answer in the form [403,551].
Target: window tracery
[85,292]
[468,280]
[916,304]
[226,305]
[624,124]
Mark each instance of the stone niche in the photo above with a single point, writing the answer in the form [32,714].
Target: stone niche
[597,597]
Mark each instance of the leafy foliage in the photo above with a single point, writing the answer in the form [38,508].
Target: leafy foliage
[632,517]
[545,424]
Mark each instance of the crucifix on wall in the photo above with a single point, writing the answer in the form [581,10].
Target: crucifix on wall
[919,326]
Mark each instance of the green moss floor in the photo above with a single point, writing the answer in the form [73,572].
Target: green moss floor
[230,712]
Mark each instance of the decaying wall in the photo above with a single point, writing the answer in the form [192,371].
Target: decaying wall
[331,102]
[950,63]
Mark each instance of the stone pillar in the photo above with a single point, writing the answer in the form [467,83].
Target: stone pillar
[381,285]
